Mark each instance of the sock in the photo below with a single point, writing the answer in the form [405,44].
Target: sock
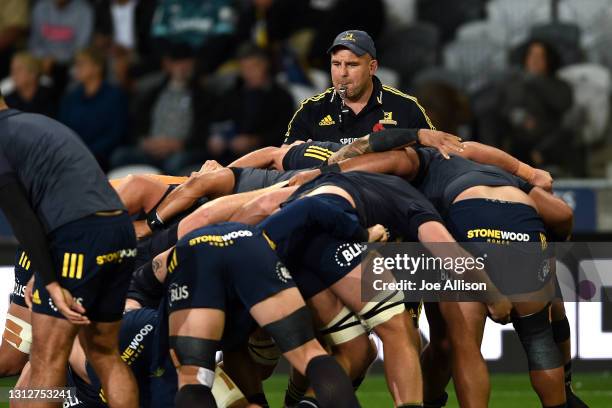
[568,373]
[331,384]
[294,394]
[357,382]
[437,403]
[259,399]
[195,396]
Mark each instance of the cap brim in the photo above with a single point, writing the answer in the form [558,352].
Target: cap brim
[347,44]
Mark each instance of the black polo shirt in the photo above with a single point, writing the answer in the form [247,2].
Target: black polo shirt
[320,117]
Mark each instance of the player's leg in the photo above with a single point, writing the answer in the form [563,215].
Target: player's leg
[285,316]
[391,322]
[141,193]
[17,340]
[343,332]
[193,346]
[561,333]
[533,327]
[435,359]
[51,345]
[465,323]
[101,344]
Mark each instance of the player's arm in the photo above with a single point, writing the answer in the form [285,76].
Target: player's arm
[556,214]
[263,158]
[485,154]
[401,163]
[26,226]
[392,139]
[439,241]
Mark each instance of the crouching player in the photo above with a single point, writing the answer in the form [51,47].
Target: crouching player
[213,299]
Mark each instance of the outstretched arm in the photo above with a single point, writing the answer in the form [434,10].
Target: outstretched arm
[556,214]
[263,158]
[485,154]
[391,139]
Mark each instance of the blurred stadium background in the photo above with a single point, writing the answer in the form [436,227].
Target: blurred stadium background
[167,84]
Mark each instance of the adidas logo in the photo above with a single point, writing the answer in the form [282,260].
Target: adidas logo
[327,121]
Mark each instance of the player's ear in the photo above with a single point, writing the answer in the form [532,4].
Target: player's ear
[373,66]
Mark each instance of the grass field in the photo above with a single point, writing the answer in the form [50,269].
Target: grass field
[508,391]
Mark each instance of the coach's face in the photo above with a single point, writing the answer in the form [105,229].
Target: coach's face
[352,72]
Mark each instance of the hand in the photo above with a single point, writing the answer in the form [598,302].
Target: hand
[28,292]
[142,229]
[210,165]
[444,142]
[303,177]
[377,233]
[67,306]
[499,310]
[543,179]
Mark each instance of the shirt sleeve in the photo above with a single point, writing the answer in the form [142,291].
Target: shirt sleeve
[299,127]
[26,226]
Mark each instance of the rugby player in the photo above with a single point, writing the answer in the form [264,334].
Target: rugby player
[379,199]
[434,174]
[80,241]
[206,283]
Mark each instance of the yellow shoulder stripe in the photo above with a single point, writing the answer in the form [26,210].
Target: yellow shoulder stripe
[413,99]
[304,102]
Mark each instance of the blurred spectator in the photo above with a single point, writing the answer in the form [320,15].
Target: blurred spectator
[533,106]
[123,30]
[164,116]
[255,112]
[96,110]
[59,29]
[447,107]
[207,26]
[449,15]
[267,22]
[29,94]
[14,19]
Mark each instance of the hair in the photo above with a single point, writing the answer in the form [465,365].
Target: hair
[249,50]
[95,56]
[32,63]
[553,59]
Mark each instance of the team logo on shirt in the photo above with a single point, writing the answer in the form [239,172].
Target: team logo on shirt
[282,272]
[387,119]
[327,121]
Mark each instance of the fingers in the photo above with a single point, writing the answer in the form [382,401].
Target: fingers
[72,316]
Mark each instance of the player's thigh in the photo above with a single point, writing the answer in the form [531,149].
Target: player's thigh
[100,337]
[17,340]
[52,338]
[465,321]
[205,323]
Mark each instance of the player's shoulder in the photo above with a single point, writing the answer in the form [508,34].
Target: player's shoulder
[317,100]
[391,94]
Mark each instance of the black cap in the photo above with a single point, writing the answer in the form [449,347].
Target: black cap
[357,41]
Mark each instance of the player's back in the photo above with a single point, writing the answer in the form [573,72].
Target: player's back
[442,180]
[61,177]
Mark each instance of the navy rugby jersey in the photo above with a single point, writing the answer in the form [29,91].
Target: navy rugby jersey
[61,178]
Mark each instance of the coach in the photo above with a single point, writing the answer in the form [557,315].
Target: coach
[358,103]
